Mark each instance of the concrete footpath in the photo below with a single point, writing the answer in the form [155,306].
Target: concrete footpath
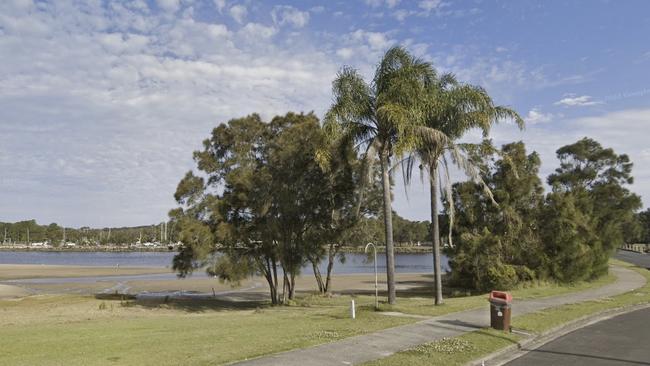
[359,349]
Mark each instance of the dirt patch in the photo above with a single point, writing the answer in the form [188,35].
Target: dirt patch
[9,292]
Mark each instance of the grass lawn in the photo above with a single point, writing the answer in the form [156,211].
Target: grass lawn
[423,306]
[471,346]
[83,330]
[68,330]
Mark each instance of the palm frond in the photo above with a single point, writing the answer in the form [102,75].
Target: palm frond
[471,171]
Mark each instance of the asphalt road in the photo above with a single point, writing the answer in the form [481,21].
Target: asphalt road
[623,340]
[639,259]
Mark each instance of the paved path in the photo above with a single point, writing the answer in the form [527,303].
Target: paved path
[359,349]
[622,340]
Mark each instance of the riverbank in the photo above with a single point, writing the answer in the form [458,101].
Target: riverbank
[51,279]
[382,249]
[23,271]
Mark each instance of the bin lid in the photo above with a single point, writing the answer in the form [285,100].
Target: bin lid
[500,296]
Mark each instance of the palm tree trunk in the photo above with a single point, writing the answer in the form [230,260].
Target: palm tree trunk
[435,232]
[388,225]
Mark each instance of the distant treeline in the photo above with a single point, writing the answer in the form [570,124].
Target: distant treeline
[407,233]
[29,231]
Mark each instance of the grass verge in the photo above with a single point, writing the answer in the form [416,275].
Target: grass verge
[538,289]
[486,341]
[78,330]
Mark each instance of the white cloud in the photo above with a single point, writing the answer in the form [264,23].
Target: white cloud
[238,12]
[345,53]
[220,4]
[571,100]
[429,5]
[288,15]
[376,40]
[97,114]
[377,3]
[169,5]
[402,14]
[535,116]
[255,31]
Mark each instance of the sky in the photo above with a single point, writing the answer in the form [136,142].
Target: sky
[103,102]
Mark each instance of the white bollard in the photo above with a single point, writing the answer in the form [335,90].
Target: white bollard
[352,310]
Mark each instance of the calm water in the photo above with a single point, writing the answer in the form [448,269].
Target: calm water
[354,263]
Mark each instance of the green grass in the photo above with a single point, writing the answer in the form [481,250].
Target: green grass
[66,330]
[77,330]
[538,289]
[486,341]
[451,351]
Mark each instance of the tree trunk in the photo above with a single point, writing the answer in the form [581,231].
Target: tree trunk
[435,233]
[319,277]
[330,265]
[388,225]
[273,286]
[285,287]
[275,280]
[292,286]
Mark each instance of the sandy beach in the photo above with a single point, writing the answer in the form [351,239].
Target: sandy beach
[18,271]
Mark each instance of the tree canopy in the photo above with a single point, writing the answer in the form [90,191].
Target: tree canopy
[264,204]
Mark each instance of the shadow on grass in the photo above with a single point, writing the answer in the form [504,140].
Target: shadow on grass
[244,301]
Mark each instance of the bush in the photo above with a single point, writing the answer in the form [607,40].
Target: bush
[500,276]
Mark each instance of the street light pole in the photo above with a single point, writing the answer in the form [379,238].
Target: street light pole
[374,249]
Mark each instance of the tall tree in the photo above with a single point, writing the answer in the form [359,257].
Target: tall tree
[451,109]
[379,118]
[597,179]
[498,246]
[265,203]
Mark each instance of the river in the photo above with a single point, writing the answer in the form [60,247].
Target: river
[353,263]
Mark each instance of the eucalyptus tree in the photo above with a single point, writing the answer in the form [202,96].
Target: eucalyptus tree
[380,118]
[262,203]
[450,110]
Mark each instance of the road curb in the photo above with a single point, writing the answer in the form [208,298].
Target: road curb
[526,345]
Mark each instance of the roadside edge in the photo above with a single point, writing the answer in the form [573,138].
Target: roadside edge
[526,345]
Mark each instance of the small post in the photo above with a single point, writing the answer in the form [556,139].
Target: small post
[352,310]
[374,249]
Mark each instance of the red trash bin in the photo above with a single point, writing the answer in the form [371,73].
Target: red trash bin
[500,310]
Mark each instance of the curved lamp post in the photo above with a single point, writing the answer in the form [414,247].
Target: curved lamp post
[374,249]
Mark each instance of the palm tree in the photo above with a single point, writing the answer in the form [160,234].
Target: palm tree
[379,118]
[452,109]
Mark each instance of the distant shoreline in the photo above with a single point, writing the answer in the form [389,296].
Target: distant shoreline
[86,249]
[345,249]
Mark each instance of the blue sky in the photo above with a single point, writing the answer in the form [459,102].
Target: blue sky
[103,102]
